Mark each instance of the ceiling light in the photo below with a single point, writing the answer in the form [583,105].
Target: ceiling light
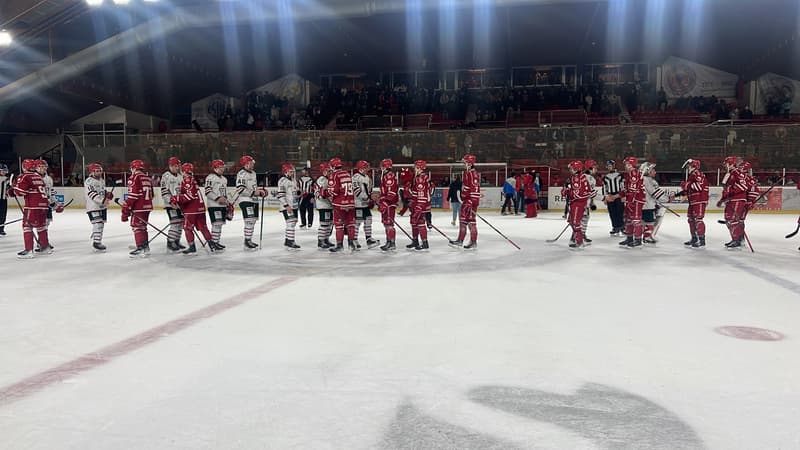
[94,2]
[5,38]
[120,2]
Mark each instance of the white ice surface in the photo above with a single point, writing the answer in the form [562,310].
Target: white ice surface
[448,349]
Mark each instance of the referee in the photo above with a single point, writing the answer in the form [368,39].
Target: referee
[612,185]
[306,200]
[3,197]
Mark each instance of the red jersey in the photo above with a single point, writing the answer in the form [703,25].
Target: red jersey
[31,186]
[736,186]
[696,187]
[752,188]
[634,186]
[340,189]
[579,189]
[421,192]
[389,188]
[471,187]
[189,198]
[140,192]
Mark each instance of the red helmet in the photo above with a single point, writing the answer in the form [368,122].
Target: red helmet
[217,163]
[137,164]
[324,167]
[386,164]
[746,166]
[362,165]
[28,164]
[632,160]
[576,165]
[187,168]
[589,164]
[692,162]
[245,160]
[420,164]
[41,162]
[469,158]
[173,161]
[335,162]
[732,160]
[286,167]
[95,166]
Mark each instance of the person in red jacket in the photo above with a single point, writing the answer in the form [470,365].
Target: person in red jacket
[387,203]
[695,188]
[634,201]
[470,199]
[578,194]
[190,202]
[31,187]
[531,199]
[138,205]
[340,193]
[734,197]
[420,205]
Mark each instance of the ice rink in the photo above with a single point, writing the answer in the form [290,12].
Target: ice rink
[544,348]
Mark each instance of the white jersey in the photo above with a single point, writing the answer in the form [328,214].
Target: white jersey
[51,193]
[362,189]
[592,184]
[319,187]
[288,193]
[95,193]
[246,184]
[170,186]
[216,187]
[653,193]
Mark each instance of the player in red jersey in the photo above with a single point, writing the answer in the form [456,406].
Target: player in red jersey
[139,204]
[340,193]
[189,200]
[695,188]
[734,196]
[31,187]
[578,194]
[404,179]
[470,199]
[753,192]
[387,203]
[634,201]
[420,204]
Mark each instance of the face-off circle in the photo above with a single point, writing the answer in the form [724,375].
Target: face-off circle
[749,333]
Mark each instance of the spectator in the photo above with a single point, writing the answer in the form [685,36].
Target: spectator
[445,181]
[454,197]
[508,192]
[747,114]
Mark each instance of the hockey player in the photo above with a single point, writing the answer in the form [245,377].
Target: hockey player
[340,192]
[4,187]
[362,193]
[137,207]
[170,187]
[247,191]
[470,199]
[634,201]
[531,197]
[653,195]
[387,203]
[30,186]
[324,207]
[219,210]
[97,199]
[734,197]
[695,188]
[420,204]
[189,200]
[578,193]
[289,196]
[590,174]
[752,191]
[306,199]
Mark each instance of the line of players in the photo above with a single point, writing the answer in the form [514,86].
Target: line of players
[642,199]
[344,203]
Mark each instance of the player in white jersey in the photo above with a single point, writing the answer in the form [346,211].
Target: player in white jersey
[96,201]
[289,196]
[324,207]
[171,187]
[219,210]
[591,173]
[247,191]
[362,192]
[54,204]
[652,212]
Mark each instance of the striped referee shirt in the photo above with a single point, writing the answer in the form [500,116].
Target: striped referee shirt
[612,183]
[3,187]
[305,184]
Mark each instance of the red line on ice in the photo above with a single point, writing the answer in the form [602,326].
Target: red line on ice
[89,361]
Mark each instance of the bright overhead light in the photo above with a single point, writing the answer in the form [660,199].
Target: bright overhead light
[120,2]
[94,2]
[5,38]
[151,1]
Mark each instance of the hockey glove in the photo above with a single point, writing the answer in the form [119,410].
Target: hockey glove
[60,208]
[229,215]
[593,207]
[126,213]
[109,196]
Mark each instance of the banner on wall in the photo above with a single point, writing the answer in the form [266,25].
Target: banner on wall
[683,78]
[773,89]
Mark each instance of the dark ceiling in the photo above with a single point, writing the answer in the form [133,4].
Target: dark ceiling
[164,76]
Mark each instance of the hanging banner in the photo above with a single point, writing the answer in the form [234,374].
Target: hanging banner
[683,78]
[774,91]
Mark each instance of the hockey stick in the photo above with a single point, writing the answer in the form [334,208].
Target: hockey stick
[498,232]
[559,235]
[794,233]
[116,200]
[401,229]
[440,231]
[667,208]
[199,239]
[763,194]
[747,238]
[261,230]
[17,220]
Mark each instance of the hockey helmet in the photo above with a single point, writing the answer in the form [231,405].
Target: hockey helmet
[335,163]
[589,164]
[324,168]
[245,160]
[286,168]
[576,165]
[217,163]
[632,160]
[746,166]
[362,165]
[28,164]
[137,164]
[386,163]
[420,164]
[691,162]
[94,167]
[173,161]
[611,163]
[469,158]
[3,168]
[187,168]
[731,160]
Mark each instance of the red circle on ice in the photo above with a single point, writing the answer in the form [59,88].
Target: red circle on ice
[749,333]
